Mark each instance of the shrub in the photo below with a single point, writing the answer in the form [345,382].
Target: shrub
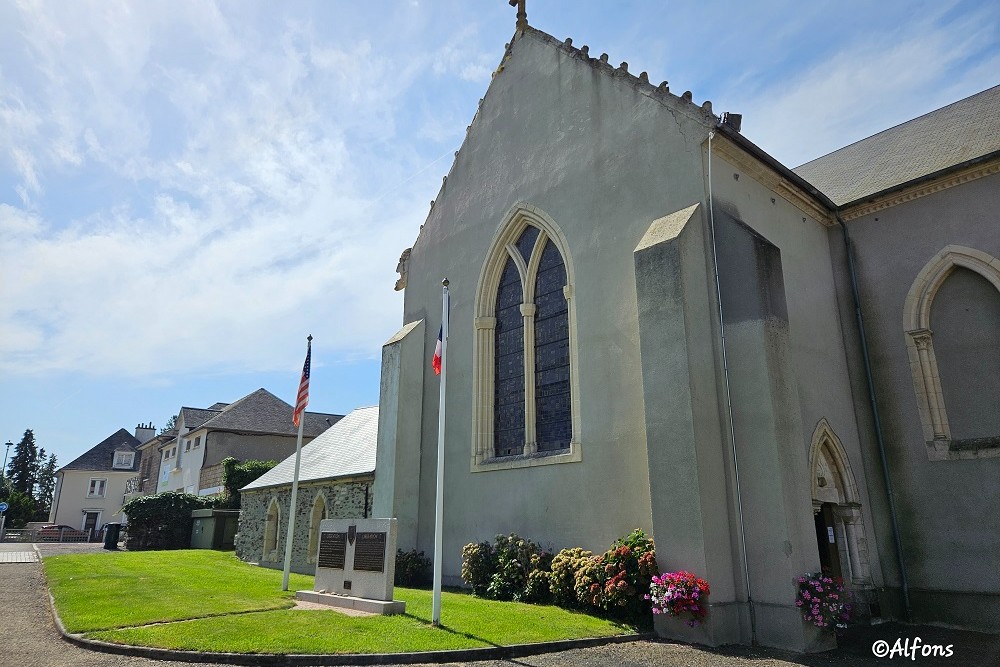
[516,559]
[618,580]
[512,568]
[679,593]
[562,578]
[537,589]
[823,601]
[413,569]
[627,571]
[162,521]
[478,566]
[236,474]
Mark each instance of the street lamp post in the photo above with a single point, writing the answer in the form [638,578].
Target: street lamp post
[3,471]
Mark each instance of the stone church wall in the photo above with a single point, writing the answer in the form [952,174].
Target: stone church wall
[344,499]
[947,510]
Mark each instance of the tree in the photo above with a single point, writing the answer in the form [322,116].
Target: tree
[169,426]
[21,507]
[46,482]
[23,467]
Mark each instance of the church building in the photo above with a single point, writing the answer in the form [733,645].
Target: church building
[655,324]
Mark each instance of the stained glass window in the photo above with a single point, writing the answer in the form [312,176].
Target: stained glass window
[508,418]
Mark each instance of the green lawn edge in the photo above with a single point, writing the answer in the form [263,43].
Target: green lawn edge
[174,602]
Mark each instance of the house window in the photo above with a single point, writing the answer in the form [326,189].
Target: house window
[97,488]
[187,445]
[124,459]
[197,442]
[524,358]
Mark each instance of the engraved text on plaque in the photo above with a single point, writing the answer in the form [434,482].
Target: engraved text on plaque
[369,552]
[332,550]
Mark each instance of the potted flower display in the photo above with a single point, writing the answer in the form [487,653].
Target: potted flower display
[823,601]
[680,594]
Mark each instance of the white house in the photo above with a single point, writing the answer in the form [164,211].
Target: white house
[91,489]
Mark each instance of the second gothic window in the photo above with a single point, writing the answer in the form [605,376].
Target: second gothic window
[536,315]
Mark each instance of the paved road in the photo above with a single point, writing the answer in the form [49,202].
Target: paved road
[29,639]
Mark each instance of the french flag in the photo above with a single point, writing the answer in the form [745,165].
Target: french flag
[436,361]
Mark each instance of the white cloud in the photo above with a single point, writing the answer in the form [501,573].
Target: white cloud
[869,85]
[195,183]
[248,192]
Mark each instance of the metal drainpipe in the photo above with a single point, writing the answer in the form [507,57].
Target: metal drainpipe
[877,419]
[729,404]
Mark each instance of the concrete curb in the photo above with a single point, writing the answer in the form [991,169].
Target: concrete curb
[457,655]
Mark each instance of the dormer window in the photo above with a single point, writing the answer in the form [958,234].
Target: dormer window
[124,459]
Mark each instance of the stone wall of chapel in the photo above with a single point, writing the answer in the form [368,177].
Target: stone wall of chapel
[345,499]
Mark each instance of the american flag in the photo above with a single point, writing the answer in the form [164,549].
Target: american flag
[302,400]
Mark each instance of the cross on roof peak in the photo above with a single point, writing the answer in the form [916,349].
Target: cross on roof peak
[522,14]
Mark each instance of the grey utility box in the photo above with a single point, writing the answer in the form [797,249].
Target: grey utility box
[214,529]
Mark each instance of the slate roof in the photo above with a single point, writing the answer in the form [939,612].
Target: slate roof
[102,455]
[346,449]
[949,136]
[195,417]
[263,412]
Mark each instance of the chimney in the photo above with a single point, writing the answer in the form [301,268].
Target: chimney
[732,120]
[144,432]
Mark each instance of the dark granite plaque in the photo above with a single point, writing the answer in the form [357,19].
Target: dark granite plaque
[332,550]
[369,552]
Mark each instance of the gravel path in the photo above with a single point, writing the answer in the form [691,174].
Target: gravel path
[28,638]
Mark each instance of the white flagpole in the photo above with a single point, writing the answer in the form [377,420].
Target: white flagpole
[295,490]
[439,501]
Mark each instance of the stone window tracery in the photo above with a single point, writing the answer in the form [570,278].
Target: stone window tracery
[525,408]
[919,338]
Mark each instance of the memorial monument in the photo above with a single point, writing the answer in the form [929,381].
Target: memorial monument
[356,566]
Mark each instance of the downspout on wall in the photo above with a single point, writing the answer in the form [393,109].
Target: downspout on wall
[729,404]
[872,397]
[805,186]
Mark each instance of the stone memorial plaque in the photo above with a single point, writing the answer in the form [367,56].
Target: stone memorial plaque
[332,550]
[356,561]
[369,552]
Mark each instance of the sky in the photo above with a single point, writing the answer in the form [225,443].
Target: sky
[189,189]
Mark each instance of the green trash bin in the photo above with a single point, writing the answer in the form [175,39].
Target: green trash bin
[111,533]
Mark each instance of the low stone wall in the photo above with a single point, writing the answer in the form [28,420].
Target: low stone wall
[344,499]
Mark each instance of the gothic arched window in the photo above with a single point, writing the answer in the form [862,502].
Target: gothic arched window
[524,361]
[317,515]
[966,281]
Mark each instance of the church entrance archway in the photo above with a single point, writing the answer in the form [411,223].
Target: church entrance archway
[840,531]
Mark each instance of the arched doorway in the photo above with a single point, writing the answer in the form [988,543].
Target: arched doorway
[840,531]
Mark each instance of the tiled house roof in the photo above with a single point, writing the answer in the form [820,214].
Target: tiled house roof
[263,412]
[346,449]
[195,417]
[102,455]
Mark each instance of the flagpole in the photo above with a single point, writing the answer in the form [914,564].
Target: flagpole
[295,475]
[439,500]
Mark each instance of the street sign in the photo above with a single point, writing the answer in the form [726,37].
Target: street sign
[3,507]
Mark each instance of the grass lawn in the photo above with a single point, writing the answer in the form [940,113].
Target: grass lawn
[200,601]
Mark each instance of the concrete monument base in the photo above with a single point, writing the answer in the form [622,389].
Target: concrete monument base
[383,607]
